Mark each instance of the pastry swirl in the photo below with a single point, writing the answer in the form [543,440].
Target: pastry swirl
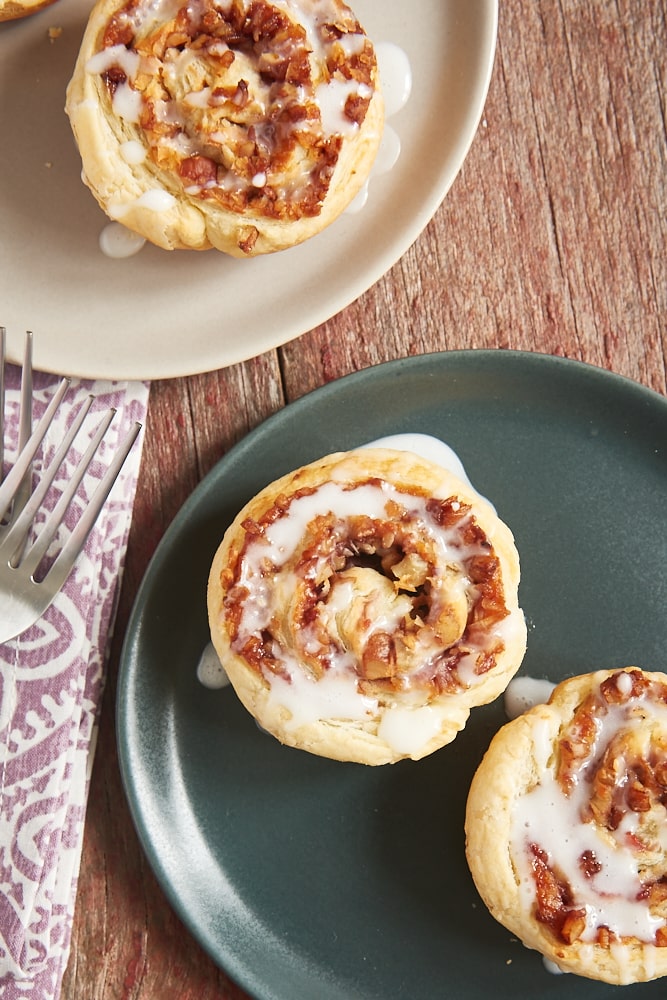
[566,826]
[245,125]
[363,604]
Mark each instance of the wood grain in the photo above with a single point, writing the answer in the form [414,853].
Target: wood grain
[552,239]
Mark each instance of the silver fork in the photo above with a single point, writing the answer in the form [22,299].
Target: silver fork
[24,597]
[25,423]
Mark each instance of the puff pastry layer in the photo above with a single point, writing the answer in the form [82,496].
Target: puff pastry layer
[363,604]
[245,125]
[12,10]
[566,826]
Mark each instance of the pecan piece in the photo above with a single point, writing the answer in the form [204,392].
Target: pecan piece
[249,238]
[198,170]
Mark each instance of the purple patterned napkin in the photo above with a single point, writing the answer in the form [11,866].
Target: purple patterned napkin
[51,680]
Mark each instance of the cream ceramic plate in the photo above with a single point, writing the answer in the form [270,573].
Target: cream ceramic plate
[161,314]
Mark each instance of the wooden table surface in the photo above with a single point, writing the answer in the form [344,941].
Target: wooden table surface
[553,239]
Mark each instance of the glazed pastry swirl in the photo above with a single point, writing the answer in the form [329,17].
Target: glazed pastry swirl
[371,588]
[263,113]
[576,792]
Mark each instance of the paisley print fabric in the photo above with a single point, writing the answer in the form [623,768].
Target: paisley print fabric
[51,680]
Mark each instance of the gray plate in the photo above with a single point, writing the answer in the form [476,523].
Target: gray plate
[307,878]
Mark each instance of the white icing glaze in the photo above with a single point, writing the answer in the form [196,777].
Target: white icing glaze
[198,98]
[115,55]
[523,693]
[127,103]
[433,450]
[155,200]
[388,153]
[428,447]
[352,44]
[133,151]
[395,76]
[210,671]
[551,967]
[282,537]
[505,630]
[280,540]
[396,81]
[331,98]
[151,13]
[393,65]
[624,684]
[406,728]
[117,241]
[335,696]
[386,159]
[546,816]
[359,201]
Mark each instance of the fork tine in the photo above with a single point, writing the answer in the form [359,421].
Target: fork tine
[60,569]
[39,548]
[22,494]
[25,418]
[16,537]
[25,424]
[15,476]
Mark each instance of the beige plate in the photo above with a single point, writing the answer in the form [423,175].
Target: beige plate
[161,314]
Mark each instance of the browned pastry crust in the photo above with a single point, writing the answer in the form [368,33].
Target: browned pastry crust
[566,826]
[363,604]
[256,121]
[12,10]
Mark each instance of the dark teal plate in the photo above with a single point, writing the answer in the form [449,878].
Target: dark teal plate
[308,879]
